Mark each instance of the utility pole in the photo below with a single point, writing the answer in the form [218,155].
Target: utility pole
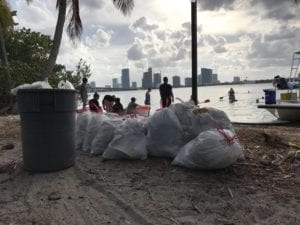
[194,50]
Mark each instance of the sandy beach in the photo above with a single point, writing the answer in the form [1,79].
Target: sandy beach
[264,189]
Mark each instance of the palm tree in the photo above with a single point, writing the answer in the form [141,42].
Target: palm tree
[6,22]
[74,27]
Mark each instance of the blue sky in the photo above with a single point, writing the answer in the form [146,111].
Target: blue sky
[253,38]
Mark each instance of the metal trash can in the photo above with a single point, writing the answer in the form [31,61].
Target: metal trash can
[48,128]
[270,96]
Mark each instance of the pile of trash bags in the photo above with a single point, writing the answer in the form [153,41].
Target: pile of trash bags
[198,138]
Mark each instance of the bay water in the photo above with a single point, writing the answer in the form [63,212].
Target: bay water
[243,110]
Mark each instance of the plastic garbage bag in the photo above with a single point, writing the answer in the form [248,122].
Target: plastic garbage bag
[164,137]
[129,141]
[105,134]
[82,122]
[213,118]
[91,130]
[65,85]
[35,85]
[184,113]
[212,149]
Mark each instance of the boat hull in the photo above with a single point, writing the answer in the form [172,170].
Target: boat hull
[286,112]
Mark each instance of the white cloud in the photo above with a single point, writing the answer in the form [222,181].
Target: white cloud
[235,37]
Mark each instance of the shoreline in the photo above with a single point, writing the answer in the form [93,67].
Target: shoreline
[261,190]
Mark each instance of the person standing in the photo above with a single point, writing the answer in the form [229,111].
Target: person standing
[166,93]
[231,95]
[148,97]
[84,92]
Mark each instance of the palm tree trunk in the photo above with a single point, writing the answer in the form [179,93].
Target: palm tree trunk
[7,79]
[62,7]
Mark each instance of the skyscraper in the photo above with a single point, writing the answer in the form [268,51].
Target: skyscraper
[176,81]
[214,78]
[125,78]
[115,83]
[147,79]
[206,75]
[156,80]
[188,81]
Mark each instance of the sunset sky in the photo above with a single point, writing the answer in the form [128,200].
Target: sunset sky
[253,39]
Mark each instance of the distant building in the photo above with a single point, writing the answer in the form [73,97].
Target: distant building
[236,79]
[107,86]
[115,83]
[206,75]
[188,81]
[156,80]
[214,79]
[199,79]
[125,78]
[176,81]
[147,79]
[134,84]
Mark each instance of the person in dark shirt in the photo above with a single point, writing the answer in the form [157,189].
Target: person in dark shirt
[84,92]
[166,93]
[94,104]
[118,107]
[108,102]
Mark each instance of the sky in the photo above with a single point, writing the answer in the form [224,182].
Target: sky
[253,39]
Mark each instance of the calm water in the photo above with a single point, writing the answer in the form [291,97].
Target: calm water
[244,110]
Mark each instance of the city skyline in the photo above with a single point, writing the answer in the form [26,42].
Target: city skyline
[254,39]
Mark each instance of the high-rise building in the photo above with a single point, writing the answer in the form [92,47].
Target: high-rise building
[176,81]
[134,84]
[206,75]
[214,78]
[236,79]
[199,79]
[188,81]
[147,79]
[156,80]
[125,78]
[115,83]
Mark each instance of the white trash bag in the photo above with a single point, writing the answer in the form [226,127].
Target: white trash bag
[34,85]
[129,141]
[65,85]
[213,118]
[164,137]
[82,122]
[184,113]
[91,130]
[212,149]
[105,134]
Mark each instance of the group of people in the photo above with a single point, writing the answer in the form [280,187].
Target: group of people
[110,103]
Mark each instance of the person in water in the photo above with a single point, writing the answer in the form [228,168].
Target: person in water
[231,95]
[94,104]
[147,97]
[166,93]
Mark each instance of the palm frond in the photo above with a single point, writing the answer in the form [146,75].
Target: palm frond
[75,26]
[125,6]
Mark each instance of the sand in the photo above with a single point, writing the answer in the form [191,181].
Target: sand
[264,189]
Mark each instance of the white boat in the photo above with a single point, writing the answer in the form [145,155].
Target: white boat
[288,107]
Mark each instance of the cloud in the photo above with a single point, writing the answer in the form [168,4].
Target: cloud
[100,39]
[212,5]
[135,52]
[279,9]
[143,25]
